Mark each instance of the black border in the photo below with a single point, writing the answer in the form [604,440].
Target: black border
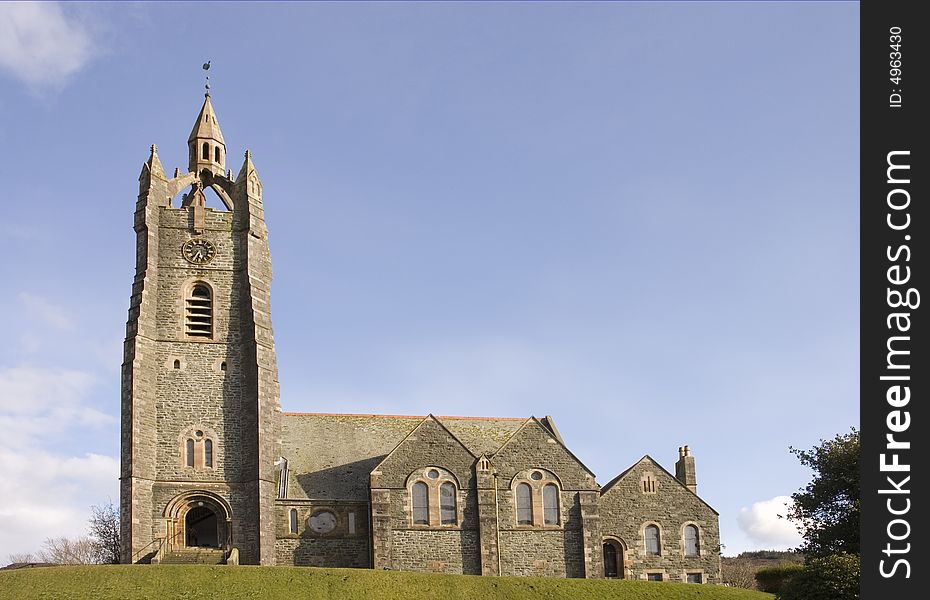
[886,128]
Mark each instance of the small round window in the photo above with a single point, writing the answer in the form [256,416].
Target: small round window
[535,475]
[433,474]
[198,433]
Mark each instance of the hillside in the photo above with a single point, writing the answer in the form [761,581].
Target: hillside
[740,570]
[131,582]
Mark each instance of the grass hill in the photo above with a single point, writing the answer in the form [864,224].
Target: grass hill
[132,582]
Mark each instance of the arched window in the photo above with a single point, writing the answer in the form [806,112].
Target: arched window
[177,364]
[208,453]
[653,543]
[200,312]
[692,542]
[205,151]
[447,511]
[524,505]
[420,503]
[292,519]
[216,154]
[189,452]
[550,504]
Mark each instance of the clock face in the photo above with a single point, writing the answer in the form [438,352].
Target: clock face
[323,521]
[198,251]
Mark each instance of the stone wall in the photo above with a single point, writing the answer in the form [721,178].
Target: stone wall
[453,551]
[400,543]
[138,433]
[625,510]
[347,545]
[551,550]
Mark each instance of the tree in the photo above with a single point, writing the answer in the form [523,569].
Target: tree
[826,511]
[739,572]
[104,532]
[101,546]
[65,551]
[22,557]
[834,577]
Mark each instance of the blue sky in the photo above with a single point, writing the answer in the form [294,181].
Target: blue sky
[640,218]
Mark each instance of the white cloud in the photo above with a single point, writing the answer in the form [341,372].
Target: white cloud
[45,311]
[38,402]
[763,523]
[42,45]
[43,495]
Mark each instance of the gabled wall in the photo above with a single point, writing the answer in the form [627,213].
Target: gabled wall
[625,510]
[564,550]
[398,542]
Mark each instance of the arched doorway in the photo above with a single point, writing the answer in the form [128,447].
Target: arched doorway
[198,519]
[614,559]
[610,560]
[201,527]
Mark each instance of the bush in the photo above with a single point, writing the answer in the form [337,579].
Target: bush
[771,579]
[833,577]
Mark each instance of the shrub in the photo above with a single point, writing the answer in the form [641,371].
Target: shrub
[833,577]
[771,579]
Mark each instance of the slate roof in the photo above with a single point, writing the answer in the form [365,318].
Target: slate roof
[331,455]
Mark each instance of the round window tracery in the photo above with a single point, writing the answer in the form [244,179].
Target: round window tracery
[536,476]
[322,521]
[433,474]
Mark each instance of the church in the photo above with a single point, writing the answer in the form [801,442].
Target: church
[212,470]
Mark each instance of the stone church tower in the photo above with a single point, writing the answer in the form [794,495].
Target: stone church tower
[200,397]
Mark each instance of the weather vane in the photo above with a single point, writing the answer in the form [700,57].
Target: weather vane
[206,67]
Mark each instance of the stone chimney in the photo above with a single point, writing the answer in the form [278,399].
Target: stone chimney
[684,469]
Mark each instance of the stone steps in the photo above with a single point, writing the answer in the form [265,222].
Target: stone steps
[195,556]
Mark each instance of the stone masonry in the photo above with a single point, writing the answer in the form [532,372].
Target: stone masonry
[209,459]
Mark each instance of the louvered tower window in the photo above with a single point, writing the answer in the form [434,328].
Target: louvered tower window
[200,312]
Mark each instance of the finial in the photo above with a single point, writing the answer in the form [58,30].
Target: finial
[206,67]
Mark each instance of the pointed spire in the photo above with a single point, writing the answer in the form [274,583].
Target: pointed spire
[207,127]
[206,144]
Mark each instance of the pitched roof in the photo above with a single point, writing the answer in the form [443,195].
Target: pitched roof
[331,455]
[606,488]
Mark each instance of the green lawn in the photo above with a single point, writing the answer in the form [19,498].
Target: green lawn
[125,582]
